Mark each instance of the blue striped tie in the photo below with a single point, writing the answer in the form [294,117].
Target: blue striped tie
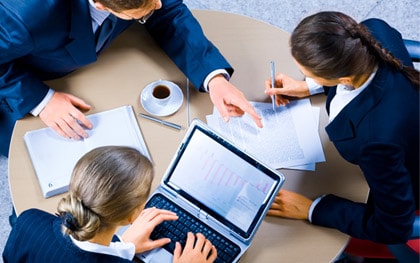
[103,33]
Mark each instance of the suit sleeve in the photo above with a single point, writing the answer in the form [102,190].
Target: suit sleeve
[386,218]
[180,35]
[20,89]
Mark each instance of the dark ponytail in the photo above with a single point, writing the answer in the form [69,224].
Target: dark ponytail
[383,55]
[333,45]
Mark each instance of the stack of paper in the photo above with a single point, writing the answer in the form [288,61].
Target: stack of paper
[53,157]
[289,138]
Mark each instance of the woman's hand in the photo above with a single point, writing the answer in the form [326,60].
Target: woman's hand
[197,250]
[290,205]
[139,232]
[286,86]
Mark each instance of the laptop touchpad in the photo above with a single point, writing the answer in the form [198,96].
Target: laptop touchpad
[157,255]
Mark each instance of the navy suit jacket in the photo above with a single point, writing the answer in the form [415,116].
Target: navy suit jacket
[37,237]
[379,132]
[49,39]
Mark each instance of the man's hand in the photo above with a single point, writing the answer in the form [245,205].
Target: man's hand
[229,101]
[63,115]
[287,86]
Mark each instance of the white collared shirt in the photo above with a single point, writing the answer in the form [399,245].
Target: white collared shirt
[344,96]
[98,16]
[119,249]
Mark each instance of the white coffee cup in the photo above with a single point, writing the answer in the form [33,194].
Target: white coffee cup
[161,93]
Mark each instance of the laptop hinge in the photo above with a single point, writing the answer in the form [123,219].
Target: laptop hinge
[170,192]
[203,215]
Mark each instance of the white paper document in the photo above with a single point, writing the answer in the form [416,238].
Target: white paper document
[289,138]
[53,157]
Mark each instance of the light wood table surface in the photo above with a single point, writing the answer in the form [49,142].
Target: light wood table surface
[134,60]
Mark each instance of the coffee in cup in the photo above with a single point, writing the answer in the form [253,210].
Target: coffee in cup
[161,94]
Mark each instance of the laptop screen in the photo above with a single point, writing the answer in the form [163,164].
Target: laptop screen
[222,180]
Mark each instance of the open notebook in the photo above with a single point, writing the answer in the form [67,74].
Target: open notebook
[53,157]
[224,191]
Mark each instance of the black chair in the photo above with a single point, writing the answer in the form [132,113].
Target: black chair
[413,48]
[403,252]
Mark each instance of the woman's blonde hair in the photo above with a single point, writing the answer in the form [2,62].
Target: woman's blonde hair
[107,185]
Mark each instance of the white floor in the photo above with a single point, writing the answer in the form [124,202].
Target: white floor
[402,14]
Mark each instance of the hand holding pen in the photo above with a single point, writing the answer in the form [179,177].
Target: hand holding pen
[273,73]
[285,87]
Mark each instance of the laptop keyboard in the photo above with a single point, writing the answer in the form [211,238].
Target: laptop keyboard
[177,230]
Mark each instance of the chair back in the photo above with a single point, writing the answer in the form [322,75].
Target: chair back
[409,252]
[413,48]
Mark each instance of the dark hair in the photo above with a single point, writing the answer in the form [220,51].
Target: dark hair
[108,184]
[122,5]
[333,45]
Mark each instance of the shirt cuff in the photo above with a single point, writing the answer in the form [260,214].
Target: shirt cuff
[312,207]
[314,88]
[35,111]
[130,248]
[212,75]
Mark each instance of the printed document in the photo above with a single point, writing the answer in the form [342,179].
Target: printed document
[289,138]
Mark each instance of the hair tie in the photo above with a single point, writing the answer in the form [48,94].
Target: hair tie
[69,221]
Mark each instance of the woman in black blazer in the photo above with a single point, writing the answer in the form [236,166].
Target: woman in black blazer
[373,106]
[108,189]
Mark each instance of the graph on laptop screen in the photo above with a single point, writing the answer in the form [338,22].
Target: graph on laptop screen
[218,178]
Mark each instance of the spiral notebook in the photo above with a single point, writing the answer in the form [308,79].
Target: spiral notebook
[53,157]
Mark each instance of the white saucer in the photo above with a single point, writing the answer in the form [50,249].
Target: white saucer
[171,107]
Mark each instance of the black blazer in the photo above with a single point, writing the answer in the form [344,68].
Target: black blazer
[379,132]
[37,237]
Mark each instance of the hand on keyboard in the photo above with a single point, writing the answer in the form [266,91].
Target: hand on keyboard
[177,230]
[197,249]
[144,223]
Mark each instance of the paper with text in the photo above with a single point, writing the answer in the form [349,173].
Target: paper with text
[289,138]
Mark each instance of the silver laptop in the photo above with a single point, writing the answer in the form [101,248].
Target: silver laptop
[224,192]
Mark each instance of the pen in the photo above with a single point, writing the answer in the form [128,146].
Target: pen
[188,102]
[166,123]
[273,97]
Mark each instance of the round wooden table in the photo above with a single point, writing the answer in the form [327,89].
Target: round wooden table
[134,60]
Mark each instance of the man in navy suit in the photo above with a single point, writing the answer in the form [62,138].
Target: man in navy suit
[46,40]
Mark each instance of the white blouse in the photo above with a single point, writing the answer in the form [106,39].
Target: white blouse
[119,249]
[344,94]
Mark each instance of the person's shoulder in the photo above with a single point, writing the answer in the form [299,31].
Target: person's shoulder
[23,11]
[34,215]
[377,24]
[23,6]
[34,212]
[374,21]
